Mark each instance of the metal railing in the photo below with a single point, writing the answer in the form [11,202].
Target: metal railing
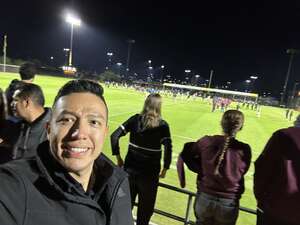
[186,220]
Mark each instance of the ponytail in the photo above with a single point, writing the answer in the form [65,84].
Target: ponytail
[232,122]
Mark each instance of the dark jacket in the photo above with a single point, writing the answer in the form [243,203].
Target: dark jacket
[277,176]
[144,150]
[202,157]
[30,136]
[39,191]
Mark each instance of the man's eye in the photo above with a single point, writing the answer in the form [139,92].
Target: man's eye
[66,120]
[95,123]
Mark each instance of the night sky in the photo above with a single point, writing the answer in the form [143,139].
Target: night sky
[236,39]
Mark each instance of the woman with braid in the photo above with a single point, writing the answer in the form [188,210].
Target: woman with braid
[221,162]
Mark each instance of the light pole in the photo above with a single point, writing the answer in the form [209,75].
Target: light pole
[196,79]
[254,78]
[130,42]
[162,73]
[119,64]
[187,75]
[291,52]
[109,54]
[67,50]
[74,22]
[247,84]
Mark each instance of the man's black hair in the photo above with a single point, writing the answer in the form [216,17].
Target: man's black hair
[32,91]
[27,71]
[81,86]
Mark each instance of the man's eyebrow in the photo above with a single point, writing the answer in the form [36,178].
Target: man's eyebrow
[98,115]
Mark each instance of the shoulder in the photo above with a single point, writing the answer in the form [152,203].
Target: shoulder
[135,117]
[243,146]
[164,123]
[13,176]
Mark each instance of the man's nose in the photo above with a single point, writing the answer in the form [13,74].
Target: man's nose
[80,130]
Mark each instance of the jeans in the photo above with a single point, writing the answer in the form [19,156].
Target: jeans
[212,210]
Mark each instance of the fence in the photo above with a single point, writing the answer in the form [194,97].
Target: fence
[186,220]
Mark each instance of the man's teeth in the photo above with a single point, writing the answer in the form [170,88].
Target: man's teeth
[79,149]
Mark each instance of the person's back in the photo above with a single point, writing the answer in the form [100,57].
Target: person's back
[221,163]
[277,178]
[229,184]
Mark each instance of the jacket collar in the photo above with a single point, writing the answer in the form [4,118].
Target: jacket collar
[58,176]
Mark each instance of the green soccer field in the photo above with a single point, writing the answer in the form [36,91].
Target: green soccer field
[188,120]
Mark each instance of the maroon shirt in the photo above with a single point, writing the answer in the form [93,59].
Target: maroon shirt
[202,157]
[277,176]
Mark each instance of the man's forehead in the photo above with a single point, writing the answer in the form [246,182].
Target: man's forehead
[80,102]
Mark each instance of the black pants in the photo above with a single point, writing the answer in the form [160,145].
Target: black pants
[145,187]
[265,219]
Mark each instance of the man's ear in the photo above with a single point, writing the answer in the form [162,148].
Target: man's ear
[27,102]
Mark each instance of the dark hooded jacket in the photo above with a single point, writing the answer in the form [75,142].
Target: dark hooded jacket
[30,136]
[40,191]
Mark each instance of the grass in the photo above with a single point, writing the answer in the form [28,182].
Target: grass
[188,120]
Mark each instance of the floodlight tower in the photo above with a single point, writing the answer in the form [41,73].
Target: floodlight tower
[291,52]
[74,22]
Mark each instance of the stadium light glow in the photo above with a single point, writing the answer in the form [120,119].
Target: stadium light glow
[119,64]
[187,71]
[248,81]
[73,20]
[254,77]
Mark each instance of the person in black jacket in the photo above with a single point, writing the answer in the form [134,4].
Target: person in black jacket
[69,181]
[148,131]
[25,136]
[27,73]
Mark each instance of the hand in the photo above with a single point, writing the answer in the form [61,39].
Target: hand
[163,173]
[120,161]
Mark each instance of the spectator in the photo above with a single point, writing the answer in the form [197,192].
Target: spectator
[277,178]
[69,181]
[221,162]
[27,73]
[148,131]
[28,105]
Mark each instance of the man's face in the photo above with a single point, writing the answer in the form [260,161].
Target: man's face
[77,131]
[19,106]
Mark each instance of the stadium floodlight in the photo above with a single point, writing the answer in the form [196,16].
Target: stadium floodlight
[254,77]
[248,81]
[197,75]
[119,64]
[74,22]
[187,71]
[150,67]
[162,66]
[110,54]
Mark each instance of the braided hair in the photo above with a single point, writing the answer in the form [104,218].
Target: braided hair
[232,122]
